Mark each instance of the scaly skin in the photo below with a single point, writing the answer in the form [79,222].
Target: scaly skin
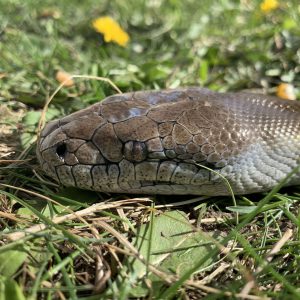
[159,142]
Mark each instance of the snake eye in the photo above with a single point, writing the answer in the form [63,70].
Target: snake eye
[61,150]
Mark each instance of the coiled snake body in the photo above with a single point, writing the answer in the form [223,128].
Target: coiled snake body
[166,142]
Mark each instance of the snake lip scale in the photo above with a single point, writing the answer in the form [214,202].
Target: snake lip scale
[163,142]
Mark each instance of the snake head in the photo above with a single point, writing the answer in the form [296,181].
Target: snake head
[182,141]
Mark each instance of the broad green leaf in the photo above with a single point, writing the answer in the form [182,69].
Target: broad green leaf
[289,23]
[10,262]
[45,210]
[32,117]
[30,122]
[36,203]
[10,290]
[173,244]
[273,72]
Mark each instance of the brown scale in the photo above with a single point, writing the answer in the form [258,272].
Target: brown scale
[108,143]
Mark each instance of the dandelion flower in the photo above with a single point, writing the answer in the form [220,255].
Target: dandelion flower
[111,30]
[269,5]
[286,91]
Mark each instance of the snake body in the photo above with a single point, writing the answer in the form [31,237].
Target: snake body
[180,141]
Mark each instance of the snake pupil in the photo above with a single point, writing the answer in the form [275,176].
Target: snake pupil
[61,150]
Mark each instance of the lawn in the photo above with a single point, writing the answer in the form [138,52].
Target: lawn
[127,246]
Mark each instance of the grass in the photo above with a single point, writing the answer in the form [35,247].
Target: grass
[120,247]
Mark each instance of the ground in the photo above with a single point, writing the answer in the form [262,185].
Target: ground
[123,246]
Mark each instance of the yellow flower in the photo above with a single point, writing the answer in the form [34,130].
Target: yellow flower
[111,30]
[269,5]
[286,91]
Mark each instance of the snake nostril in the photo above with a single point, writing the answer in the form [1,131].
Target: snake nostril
[61,150]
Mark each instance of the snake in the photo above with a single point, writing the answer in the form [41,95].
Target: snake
[183,141]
